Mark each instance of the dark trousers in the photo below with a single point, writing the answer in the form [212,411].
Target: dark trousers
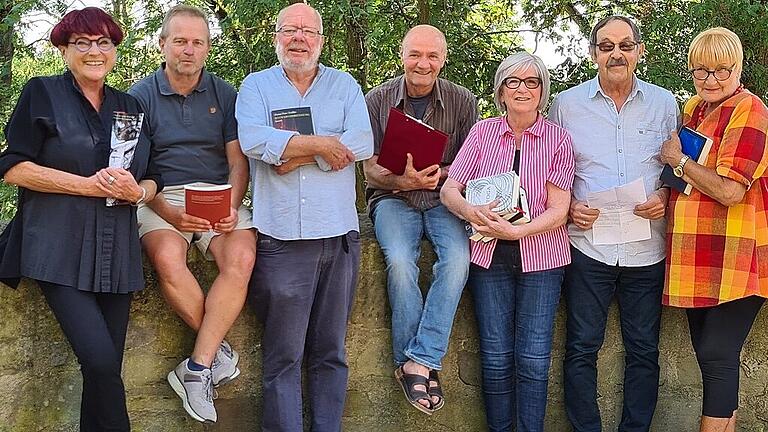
[589,288]
[718,334]
[303,291]
[95,325]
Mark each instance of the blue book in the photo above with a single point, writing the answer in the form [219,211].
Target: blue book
[696,146]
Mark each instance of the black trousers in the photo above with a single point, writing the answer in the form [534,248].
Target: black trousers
[718,334]
[95,325]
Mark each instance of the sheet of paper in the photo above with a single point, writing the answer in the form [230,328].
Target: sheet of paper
[617,222]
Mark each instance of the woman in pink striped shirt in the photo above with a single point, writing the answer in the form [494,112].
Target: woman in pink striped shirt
[515,279]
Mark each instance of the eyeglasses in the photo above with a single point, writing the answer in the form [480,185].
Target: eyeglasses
[290,31]
[104,44]
[720,74]
[514,82]
[610,46]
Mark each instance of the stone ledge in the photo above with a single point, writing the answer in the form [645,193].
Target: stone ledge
[40,380]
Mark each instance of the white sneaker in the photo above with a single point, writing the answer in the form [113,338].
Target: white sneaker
[195,390]
[224,367]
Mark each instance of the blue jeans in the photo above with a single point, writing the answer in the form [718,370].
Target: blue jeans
[589,288]
[421,327]
[515,317]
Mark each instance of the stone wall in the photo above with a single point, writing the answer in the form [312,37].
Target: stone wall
[40,381]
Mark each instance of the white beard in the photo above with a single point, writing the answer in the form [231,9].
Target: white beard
[296,66]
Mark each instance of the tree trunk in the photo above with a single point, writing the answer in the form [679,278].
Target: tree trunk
[423,8]
[357,26]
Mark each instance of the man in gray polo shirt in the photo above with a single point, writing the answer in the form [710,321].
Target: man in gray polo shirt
[191,116]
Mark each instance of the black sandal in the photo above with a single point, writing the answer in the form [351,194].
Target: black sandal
[435,391]
[408,382]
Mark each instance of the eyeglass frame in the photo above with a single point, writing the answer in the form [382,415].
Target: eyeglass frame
[308,32]
[521,81]
[91,43]
[634,44]
[712,72]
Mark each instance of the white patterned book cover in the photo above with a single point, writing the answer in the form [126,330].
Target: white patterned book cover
[503,187]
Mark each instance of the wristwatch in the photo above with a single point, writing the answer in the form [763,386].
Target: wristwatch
[678,170]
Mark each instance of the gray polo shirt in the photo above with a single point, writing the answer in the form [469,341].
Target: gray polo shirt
[189,132]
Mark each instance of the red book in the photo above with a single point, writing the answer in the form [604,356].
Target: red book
[404,134]
[208,202]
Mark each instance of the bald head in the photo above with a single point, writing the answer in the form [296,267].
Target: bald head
[298,9]
[423,54]
[425,34]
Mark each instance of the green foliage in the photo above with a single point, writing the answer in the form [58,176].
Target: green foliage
[480,34]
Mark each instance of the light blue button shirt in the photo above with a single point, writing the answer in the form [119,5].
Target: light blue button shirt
[615,148]
[310,202]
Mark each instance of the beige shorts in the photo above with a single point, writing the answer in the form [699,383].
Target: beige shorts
[149,220]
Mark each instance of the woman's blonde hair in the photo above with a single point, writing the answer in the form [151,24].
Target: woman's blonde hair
[714,47]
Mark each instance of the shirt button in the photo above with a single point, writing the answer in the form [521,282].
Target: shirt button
[303,200]
[620,150]
[619,126]
[621,174]
[303,177]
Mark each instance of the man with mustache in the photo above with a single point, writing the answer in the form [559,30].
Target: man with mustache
[617,123]
[308,248]
[406,207]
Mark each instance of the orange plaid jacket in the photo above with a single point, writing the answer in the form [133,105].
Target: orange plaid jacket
[715,253]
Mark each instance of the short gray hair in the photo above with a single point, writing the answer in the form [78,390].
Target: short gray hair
[516,62]
[281,16]
[184,10]
[604,22]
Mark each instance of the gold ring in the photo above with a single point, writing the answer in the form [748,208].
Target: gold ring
[110,180]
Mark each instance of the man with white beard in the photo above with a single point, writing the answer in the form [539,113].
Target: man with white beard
[302,126]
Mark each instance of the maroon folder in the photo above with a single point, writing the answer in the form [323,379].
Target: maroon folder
[403,135]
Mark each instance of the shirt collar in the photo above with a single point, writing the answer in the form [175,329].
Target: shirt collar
[165,86]
[638,86]
[76,87]
[402,93]
[536,129]
[320,71]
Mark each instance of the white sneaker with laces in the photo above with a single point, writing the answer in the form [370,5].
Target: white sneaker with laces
[195,388]
[224,365]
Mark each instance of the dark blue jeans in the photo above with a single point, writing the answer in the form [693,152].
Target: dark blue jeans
[589,288]
[302,290]
[515,315]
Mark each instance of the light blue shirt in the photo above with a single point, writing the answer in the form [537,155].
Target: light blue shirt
[311,202]
[615,148]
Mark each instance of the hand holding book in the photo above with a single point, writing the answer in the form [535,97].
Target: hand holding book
[689,143]
[511,205]
[425,179]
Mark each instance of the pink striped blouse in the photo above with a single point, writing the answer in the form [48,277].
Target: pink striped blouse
[546,156]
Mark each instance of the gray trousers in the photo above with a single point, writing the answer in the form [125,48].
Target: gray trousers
[302,290]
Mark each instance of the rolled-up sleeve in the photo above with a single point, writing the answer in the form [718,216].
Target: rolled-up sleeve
[561,168]
[258,139]
[30,123]
[743,152]
[357,135]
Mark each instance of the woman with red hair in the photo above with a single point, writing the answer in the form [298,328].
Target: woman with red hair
[70,233]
